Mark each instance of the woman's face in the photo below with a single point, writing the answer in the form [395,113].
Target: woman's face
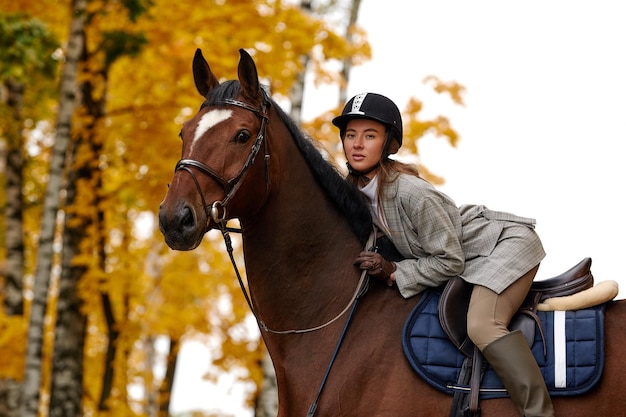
[363,144]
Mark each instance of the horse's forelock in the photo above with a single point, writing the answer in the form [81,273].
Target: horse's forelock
[226,90]
[230,90]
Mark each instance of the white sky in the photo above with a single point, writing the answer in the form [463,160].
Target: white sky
[542,132]
[543,129]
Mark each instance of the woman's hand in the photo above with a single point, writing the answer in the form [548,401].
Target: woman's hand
[376,266]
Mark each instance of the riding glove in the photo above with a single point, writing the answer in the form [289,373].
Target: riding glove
[376,266]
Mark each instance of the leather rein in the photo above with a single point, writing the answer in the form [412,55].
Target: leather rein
[217,210]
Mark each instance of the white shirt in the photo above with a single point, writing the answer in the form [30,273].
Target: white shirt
[370,190]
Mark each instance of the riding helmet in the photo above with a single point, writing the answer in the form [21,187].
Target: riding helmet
[375,107]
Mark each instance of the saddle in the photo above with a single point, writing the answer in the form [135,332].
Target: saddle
[453,307]
[454,303]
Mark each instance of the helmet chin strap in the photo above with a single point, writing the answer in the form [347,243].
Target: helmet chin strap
[361,174]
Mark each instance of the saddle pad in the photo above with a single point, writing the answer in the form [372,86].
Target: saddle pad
[572,366]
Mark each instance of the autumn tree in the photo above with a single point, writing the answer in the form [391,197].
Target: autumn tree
[29,401]
[84,230]
[26,50]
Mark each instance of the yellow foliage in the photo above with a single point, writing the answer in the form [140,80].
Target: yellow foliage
[452,88]
[54,13]
[12,345]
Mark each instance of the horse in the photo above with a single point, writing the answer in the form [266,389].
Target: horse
[302,226]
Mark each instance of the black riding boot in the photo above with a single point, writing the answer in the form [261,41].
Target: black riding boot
[517,368]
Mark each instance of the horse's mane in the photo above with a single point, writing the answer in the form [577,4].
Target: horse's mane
[348,199]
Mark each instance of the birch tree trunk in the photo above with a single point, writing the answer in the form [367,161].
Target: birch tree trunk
[69,331]
[66,391]
[13,209]
[14,241]
[28,59]
[86,230]
[296,95]
[347,62]
[29,402]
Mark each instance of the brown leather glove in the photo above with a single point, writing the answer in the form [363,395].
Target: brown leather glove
[376,266]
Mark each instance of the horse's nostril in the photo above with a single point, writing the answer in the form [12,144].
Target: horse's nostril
[187,219]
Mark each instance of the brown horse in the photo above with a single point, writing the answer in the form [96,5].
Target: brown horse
[302,225]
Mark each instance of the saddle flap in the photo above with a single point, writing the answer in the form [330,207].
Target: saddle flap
[453,306]
[452,310]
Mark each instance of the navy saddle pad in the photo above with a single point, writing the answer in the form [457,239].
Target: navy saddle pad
[573,363]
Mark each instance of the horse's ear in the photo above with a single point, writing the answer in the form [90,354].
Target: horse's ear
[248,76]
[202,75]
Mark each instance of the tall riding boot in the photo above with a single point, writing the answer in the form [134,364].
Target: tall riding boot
[517,368]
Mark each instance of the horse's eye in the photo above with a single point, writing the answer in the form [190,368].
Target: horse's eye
[243,136]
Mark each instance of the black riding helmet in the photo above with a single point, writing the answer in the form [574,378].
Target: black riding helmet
[375,107]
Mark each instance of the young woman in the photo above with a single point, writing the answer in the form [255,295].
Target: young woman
[497,252]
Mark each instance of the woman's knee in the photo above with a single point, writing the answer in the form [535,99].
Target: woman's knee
[482,336]
[484,330]
[475,328]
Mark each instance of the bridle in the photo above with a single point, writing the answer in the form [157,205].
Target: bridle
[217,210]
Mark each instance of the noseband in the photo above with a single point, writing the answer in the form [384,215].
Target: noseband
[217,210]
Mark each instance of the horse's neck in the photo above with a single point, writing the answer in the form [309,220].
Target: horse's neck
[298,249]
[298,214]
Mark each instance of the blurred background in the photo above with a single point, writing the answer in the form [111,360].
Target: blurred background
[517,106]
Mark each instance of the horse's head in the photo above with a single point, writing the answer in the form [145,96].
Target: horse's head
[217,175]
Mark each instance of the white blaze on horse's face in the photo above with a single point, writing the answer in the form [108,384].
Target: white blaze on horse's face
[210,119]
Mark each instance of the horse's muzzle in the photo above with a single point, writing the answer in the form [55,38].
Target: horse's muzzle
[180,227]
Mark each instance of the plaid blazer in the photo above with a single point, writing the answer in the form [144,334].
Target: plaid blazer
[440,240]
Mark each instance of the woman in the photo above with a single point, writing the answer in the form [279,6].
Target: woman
[497,252]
